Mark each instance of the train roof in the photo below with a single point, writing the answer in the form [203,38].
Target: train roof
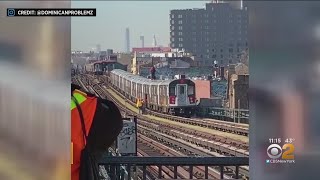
[139,79]
[100,62]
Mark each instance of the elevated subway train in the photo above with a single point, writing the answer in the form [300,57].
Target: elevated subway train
[103,67]
[95,68]
[176,97]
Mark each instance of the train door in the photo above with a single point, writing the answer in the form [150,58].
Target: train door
[182,94]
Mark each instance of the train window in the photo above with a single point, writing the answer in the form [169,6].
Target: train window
[161,90]
[181,89]
[172,91]
[190,90]
[153,89]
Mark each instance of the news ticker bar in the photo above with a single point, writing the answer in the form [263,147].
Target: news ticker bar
[12,12]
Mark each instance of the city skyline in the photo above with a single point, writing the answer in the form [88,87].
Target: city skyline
[151,18]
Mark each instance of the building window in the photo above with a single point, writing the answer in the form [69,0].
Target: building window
[180,22]
[172,15]
[180,33]
[180,39]
[221,50]
[213,50]
[214,56]
[180,45]
[179,16]
[230,50]
[206,21]
[221,55]
[180,28]
[206,27]
[172,39]
[172,27]
[208,50]
[172,21]
[172,33]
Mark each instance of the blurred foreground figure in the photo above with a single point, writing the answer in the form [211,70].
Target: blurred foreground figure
[284,101]
[34,69]
[95,124]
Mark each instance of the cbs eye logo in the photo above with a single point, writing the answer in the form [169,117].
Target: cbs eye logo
[274,151]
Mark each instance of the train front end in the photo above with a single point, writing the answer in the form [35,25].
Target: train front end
[182,98]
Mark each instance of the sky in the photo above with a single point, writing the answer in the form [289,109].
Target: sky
[108,27]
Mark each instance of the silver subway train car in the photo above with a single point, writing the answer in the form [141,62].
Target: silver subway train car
[175,96]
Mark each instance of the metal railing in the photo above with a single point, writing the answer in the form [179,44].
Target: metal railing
[114,165]
[236,115]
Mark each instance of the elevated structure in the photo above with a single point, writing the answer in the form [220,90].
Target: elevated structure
[154,42]
[98,48]
[127,40]
[142,41]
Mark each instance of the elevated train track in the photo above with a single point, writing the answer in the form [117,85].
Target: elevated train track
[190,149]
[225,126]
[213,143]
[102,91]
[183,172]
[149,147]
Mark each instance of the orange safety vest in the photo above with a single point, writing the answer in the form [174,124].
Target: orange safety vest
[139,103]
[88,107]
